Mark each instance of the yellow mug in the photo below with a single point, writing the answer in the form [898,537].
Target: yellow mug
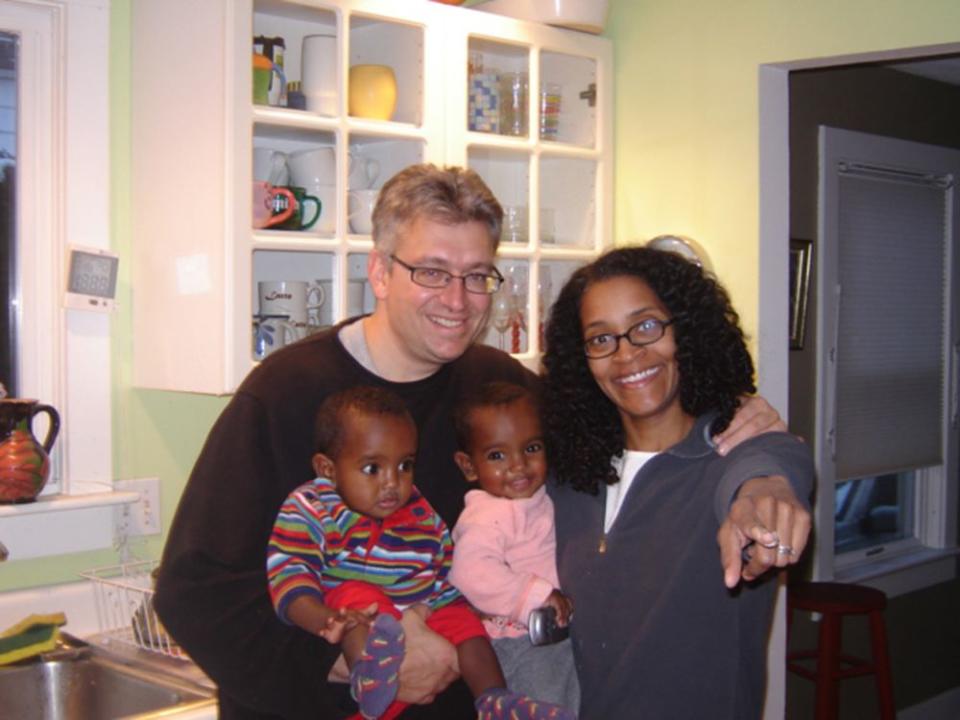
[373,91]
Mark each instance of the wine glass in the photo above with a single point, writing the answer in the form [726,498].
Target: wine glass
[501,312]
[545,288]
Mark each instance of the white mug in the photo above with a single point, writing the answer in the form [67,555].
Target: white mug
[363,172]
[323,313]
[272,332]
[270,166]
[327,195]
[360,204]
[316,166]
[293,298]
[318,72]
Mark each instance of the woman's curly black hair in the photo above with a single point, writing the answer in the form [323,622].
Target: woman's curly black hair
[582,426]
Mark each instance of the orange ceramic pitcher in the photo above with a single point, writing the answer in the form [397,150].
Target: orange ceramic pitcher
[24,462]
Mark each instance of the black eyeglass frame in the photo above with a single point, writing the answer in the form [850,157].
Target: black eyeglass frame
[662,324]
[447,277]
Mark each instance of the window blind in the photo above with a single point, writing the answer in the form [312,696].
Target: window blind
[890,344]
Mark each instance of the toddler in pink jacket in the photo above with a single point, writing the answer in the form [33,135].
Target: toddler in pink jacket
[504,559]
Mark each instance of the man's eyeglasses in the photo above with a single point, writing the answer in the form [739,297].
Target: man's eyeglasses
[643,333]
[435,278]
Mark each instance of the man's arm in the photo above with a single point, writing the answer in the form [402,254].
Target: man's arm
[212,588]
[754,417]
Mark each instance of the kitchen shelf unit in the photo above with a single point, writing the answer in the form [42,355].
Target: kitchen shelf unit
[196,257]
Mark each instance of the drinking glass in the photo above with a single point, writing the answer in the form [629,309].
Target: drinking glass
[501,312]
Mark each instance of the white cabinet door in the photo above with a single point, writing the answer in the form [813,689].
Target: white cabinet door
[208,231]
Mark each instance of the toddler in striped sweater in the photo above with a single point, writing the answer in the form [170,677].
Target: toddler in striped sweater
[353,548]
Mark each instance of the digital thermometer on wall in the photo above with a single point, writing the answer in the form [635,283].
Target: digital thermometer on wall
[91,279]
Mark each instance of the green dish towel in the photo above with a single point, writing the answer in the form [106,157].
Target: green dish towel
[31,636]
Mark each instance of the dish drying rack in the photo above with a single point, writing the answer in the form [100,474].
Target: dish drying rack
[124,600]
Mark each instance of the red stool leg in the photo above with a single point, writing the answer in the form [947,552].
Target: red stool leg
[881,659]
[828,663]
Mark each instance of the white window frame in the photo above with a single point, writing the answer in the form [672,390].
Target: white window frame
[927,557]
[63,197]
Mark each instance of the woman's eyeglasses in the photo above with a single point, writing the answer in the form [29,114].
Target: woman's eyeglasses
[643,333]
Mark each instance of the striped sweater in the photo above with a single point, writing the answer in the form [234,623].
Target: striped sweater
[318,543]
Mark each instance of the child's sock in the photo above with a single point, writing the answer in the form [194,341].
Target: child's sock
[373,679]
[501,704]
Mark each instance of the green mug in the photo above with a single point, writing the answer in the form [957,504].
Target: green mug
[297,220]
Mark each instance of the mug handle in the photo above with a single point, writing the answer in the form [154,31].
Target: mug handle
[307,224]
[287,212]
[315,288]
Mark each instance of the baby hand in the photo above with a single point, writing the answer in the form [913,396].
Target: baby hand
[563,605]
[344,620]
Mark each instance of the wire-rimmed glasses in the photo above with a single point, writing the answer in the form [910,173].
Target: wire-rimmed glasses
[437,279]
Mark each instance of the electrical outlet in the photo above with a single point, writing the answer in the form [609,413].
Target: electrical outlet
[143,516]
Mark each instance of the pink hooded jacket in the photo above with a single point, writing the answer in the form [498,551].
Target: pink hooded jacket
[504,558]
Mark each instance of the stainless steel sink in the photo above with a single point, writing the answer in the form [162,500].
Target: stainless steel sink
[83,682]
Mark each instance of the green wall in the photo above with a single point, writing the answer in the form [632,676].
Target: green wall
[686,162]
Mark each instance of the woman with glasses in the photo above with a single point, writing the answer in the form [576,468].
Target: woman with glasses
[645,363]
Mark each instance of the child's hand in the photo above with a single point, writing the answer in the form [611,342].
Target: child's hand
[344,620]
[563,605]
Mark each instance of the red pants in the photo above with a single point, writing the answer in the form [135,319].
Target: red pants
[455,622]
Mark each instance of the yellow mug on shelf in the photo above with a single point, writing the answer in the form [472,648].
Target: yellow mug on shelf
[373,91]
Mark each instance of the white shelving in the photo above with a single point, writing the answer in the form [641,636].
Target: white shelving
[198,259]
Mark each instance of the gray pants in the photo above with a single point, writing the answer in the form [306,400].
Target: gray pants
[544,672]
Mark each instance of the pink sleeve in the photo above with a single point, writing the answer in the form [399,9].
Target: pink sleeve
[480,571]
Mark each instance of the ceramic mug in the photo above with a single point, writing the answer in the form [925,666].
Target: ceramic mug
[298,219]
[322,314]
[316,166]
[362,171]
[373,91]
[266,198]
[327,195]
[270,333]
[291,298]
[360,204]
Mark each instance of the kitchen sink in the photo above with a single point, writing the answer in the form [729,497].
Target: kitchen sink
[81,681]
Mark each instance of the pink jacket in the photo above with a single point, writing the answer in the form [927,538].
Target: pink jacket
[504,558]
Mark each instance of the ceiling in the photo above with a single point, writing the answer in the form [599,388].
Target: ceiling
[946,70]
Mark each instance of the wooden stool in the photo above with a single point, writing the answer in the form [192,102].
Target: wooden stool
[833,601]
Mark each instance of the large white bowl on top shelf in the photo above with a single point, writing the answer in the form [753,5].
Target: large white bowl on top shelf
[584,15]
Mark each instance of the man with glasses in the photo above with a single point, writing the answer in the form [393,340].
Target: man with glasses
[435,234]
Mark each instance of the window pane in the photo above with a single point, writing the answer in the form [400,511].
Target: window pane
[873,511]
[8,235]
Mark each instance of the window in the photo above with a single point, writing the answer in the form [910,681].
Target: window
[873,513]
[62,357]
[8,258]
[887,337]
